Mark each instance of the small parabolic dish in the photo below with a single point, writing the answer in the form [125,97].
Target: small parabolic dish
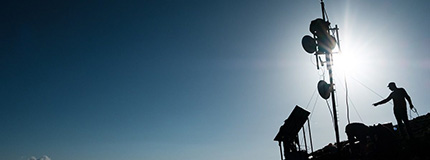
[324,89]
[309,44]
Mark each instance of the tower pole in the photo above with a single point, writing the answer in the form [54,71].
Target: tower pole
[329,60]
[323,9]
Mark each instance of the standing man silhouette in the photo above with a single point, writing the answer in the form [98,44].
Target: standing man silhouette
[400,112]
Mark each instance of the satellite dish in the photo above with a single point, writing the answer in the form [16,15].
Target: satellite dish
[309,44]
[319,26]
[324,89]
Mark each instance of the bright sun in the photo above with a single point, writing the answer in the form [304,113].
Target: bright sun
[349,61]
[345,62]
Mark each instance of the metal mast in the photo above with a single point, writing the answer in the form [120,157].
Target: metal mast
[329,61]
[322,43]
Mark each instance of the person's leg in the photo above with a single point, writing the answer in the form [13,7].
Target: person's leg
[400,126]
[404,118]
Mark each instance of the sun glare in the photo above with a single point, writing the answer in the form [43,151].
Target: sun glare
[349,61]
[345,62]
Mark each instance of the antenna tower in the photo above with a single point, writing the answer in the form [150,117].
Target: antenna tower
[324,40]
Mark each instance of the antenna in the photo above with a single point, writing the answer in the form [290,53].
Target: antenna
[321,44]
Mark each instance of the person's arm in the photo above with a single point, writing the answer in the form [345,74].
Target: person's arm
[409,99]
[383,101]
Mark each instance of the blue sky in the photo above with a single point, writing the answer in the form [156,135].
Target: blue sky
[192,79]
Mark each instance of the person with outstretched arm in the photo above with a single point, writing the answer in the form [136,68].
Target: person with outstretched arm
[398,95]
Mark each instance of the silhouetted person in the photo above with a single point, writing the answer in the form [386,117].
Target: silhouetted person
[357,131]
[400,112]
[289,141]
[360,132]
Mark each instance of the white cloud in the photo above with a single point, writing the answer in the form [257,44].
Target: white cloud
[32,158]
[45,157]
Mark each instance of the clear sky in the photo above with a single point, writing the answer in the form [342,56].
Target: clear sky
[193,79]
